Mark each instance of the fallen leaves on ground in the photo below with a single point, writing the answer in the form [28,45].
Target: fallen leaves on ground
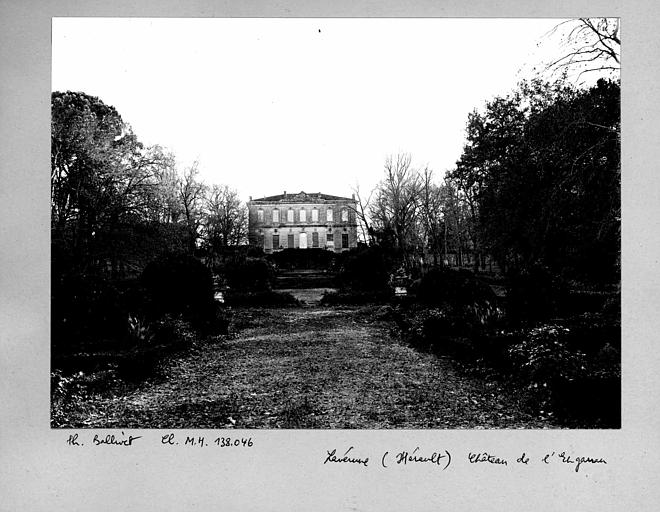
[315,367]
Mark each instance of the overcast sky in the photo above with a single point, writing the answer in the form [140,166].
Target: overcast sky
[267,105]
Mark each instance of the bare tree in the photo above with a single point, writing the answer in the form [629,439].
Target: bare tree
[191,196]
[395,208]
[587,45]
[457,219]
[362,214]
[225,219]
[164,203]
[431,208]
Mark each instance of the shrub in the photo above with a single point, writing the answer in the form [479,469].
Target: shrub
[85,308]
[544,364]
[582,301]
[303,258]
[461,287]
[441,330]
[590,332]
[565,380]
[173,331]
[544,358]
[70,394]
[468,304]
[179,284]
[64,392]
[248,274]
[254,252]
[139,332]
[166,335]
[533,295]
[444,322]
[366,269]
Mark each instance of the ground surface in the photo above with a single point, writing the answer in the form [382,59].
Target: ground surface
[307,367]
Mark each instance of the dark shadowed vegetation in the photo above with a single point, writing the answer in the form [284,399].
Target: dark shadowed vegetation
[504,277]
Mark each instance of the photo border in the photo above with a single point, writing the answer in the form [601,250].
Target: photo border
[285,470]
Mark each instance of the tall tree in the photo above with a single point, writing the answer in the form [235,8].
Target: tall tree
[395,209]
[543,165]
[191,197]
[492,149]
[431,210]
[161,185]
[225,219]
[92,178]
[362,215]
[457,222]
[111,197]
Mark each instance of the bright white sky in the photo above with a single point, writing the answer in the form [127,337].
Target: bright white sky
[268,105]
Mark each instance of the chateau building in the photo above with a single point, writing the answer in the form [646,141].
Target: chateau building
[302,221]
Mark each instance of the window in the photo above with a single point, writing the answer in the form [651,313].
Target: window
[262,241]
[303,215]
[329,215]
[330,237]
[290,240]
[344,240]
[344,215]
[260,215]
[276,241]
[315,215]
[315,239]
[289,215]
[276,215]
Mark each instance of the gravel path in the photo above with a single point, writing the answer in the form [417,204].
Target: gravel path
[311,367]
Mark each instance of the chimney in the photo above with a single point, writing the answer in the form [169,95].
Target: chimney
[250,198]
[353,196]
[285,192]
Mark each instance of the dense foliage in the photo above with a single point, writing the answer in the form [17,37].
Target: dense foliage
[303,258]
[119,208]
[537,187]
[367,269]
[247,274]
[179,284]
[543,167]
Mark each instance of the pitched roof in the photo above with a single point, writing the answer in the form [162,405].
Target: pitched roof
[302,197]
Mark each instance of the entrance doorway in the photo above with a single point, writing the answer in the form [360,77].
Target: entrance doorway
[303,241]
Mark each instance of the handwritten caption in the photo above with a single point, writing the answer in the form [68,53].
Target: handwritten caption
[170,439]
[440,459]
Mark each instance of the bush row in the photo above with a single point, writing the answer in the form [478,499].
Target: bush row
[246,274]
[536,295]
[94,313]
[290,259]
[570,368]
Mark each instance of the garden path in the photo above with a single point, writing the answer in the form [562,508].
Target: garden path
[312,367]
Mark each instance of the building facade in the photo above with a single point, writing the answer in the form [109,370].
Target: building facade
[302,221]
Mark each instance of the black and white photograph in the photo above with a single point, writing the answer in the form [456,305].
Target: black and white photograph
[278,223]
